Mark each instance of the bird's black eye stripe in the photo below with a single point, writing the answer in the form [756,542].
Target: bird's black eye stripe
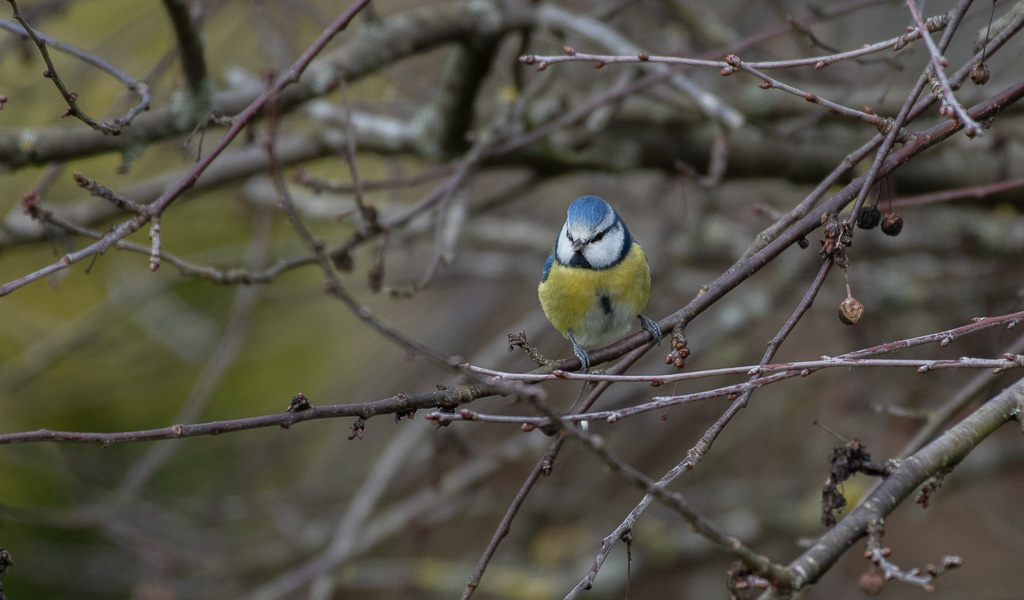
[569,236]
[600,235]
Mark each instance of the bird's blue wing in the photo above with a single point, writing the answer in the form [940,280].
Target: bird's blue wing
[547,266]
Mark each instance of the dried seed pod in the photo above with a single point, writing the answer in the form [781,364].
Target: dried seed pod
[851,310]
[871,584]
[869,217]
[892,223]
[980,74]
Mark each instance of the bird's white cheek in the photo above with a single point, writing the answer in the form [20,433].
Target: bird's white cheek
[598,256]
[606,252]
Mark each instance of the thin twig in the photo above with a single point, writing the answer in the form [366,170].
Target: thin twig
[42,41]
[332,284]
[939,63]
[291,75]
[974,191]
[742,392]
[879,555]
[732,545]
[708,103]
[943,453]
[895,133]
[158,206]
[1009,361]
[782,371]
[907,113]
[943,414]
[220,360]
[543,467]
[936,23]
[768,82]
[187,268]
[87,57]
[369,214]
[397,404]
[739,272]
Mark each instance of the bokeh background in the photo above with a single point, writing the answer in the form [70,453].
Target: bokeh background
[406,510]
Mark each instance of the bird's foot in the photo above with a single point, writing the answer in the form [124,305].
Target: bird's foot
[648,324]
[581,354]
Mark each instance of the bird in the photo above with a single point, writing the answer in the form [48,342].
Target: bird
[596,279]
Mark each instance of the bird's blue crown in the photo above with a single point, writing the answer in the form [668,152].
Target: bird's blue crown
[588,210]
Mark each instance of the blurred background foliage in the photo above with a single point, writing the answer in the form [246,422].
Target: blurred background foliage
[406,510]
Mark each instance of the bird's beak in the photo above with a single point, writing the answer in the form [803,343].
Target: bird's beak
[578,245]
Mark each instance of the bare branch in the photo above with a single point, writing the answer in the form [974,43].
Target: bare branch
[400,404]
[939,62]
[42,41]
[943,453]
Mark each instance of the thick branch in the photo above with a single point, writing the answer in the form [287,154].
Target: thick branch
[364,53]
[944,453]
[193,103]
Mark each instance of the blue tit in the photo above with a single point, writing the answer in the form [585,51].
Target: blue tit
[596,280]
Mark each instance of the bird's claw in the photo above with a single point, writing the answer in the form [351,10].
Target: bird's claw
[581,354]
[649,324]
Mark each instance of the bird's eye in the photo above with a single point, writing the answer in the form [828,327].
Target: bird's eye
[569,236]
[597,238]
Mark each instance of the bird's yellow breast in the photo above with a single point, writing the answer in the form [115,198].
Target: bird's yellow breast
[596,304]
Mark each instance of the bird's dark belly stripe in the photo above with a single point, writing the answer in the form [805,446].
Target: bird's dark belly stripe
[606,304]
